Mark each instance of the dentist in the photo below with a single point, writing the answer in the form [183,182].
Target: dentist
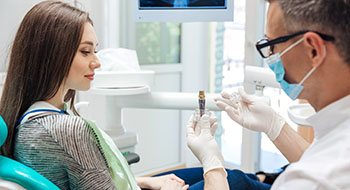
[307,46]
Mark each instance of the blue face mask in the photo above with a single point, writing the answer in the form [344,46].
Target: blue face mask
[276,65]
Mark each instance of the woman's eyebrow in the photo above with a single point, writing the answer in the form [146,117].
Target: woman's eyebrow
[89,43]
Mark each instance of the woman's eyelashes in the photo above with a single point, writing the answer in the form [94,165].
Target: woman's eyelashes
[87,52]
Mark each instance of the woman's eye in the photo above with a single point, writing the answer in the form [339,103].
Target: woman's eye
[85,52]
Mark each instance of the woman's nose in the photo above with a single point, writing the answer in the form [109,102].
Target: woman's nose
[95,64]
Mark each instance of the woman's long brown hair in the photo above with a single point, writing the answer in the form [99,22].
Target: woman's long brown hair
[40,59]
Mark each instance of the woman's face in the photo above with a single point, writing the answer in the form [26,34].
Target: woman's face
[85,62]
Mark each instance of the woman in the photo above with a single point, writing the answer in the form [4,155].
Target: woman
[52,56]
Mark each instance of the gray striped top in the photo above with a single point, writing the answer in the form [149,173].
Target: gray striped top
[64,150]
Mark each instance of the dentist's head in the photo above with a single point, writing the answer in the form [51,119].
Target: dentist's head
[307,46]
[53,54]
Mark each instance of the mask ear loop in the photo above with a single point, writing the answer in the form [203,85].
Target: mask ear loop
[315,67]
[292,46]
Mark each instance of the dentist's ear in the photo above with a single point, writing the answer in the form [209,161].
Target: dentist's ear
[316,48]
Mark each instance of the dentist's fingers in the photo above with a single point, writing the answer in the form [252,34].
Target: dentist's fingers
[185,187]
[233,101]
[226,95]
[190,126]
[203,122]
[248,99]
[221,99]
[213,128]
[233,114]
[212,117]
[233,96]
[204,125]
[245,97]
[222,105]
[227,102]
[190,131]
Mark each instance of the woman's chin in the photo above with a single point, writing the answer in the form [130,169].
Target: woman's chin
[83,88]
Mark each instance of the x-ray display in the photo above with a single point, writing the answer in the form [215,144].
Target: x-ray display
[190,4]
[184,10]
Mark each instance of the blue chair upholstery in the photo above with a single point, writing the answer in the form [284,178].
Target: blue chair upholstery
[13,171]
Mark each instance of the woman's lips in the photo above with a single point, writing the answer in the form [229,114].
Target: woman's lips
[90,77]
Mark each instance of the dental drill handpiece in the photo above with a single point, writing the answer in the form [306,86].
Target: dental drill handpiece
[201,102]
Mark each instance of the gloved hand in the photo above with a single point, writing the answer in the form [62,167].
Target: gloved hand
[201,141]
[251,112]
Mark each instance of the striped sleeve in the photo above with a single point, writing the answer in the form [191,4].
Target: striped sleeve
[64,150]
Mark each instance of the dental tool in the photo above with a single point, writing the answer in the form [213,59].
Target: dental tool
[201,102]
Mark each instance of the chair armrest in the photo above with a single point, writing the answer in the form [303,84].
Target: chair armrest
[131,157]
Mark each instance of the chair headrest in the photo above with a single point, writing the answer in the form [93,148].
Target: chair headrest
[3,131]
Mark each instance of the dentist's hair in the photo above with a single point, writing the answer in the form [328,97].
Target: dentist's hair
[41,56]
[328,17]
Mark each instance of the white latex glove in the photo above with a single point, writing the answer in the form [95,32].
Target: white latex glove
[201,141]
[251,112]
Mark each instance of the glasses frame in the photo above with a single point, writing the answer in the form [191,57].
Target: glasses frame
[266,42]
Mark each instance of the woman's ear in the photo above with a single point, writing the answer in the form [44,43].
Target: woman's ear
[315,48]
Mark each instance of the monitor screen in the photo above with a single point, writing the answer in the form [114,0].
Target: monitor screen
[184,10]
[182,4]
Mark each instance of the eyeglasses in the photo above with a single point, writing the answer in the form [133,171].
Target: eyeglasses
[265,47]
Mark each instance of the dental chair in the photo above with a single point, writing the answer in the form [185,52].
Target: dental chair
[16,176]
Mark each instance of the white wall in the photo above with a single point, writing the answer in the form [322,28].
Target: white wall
[11,14]
[13,11]
[106,23]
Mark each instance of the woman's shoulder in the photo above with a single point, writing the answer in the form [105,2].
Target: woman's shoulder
[61,127]
[64,141]
[59,122]
[68,131]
